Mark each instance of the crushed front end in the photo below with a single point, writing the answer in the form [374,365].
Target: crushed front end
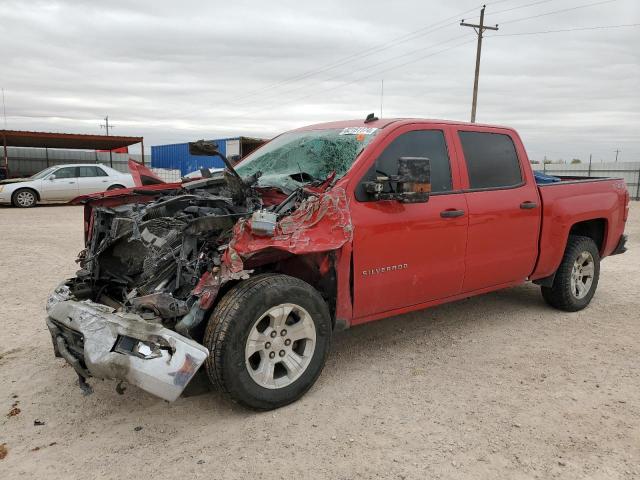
[149,274]
[155,261]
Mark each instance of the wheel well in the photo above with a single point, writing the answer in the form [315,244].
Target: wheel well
[116,185]
[316,269]
[27,188]
[594,229]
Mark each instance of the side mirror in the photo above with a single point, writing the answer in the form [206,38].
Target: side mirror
[412,183]
[52,177]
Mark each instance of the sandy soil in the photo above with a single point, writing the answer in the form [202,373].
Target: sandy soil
[498,386]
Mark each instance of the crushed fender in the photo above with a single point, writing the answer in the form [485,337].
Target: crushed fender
[156,259]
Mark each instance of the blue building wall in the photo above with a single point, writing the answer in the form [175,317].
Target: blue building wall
[177,157]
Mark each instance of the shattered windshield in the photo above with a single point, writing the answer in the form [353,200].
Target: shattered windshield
[300,157]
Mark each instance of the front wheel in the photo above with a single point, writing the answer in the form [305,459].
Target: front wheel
[268,339]
[24,198]
[577,276]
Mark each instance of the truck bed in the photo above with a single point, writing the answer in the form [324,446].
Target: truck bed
[578,199]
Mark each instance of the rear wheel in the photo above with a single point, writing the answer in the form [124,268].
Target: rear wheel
[577,277]
[268,339]
[115,187]
[24,198]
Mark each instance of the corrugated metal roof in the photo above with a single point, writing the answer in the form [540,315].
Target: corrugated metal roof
[21,138]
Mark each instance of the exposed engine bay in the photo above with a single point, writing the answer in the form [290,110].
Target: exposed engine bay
[148,258]
[158,257]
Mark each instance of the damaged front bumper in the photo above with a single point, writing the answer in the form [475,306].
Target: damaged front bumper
[102,343]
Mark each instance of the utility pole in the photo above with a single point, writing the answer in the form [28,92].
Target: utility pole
[479,31]
[381,96]
[617,150]
[106,126]
[4,110]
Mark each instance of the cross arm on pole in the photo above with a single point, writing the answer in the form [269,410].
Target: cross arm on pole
[484,27]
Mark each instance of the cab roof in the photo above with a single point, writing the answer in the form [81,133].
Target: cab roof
[383,122]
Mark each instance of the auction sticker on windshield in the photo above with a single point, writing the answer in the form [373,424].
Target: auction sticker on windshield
[358,131]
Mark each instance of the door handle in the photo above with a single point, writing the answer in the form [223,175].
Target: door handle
[72,182]
[528,205]
[452,213]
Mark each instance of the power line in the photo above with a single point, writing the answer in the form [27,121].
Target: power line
[514,8]
[382,47]
[577,29]
[557,11]
[344,74]
[522,6]
[359,79]
[365,77]
[345,60]
[371,50]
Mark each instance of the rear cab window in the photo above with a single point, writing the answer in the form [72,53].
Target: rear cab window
[491,160]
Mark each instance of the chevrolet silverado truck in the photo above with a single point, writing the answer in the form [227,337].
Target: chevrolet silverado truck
[251,270]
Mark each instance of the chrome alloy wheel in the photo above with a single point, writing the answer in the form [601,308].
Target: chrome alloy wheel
[280,346]
[582,275]
[25,198]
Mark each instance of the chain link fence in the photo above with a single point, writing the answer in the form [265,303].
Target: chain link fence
[24,162]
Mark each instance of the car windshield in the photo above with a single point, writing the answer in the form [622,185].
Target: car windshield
[43,173]
[299,157]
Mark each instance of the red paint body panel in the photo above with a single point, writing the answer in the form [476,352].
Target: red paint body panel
[320,224]
[424,252]
[391,257]
[505,244]
[503,238]
[405,254]
[567,203]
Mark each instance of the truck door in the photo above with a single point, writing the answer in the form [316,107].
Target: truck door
[504,208]
[407,254]
[62,184]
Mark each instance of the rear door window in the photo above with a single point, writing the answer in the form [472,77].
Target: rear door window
[92,172]
[491,160]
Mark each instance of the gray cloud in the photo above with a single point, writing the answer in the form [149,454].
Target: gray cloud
[176,71]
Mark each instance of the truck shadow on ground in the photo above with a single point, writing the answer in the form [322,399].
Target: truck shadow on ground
[364,346]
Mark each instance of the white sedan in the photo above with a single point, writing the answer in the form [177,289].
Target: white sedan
[62,183]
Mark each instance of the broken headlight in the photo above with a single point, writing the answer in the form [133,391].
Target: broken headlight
[138,348]
[62,293]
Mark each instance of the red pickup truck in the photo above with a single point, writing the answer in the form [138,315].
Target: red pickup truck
[250,271]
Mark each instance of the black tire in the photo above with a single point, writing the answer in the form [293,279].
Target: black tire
[20,196]
[231,323]
[115,187]
[561,295]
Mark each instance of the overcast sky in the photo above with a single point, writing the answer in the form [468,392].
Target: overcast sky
[180,71]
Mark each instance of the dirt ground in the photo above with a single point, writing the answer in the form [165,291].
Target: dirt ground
[497,386]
